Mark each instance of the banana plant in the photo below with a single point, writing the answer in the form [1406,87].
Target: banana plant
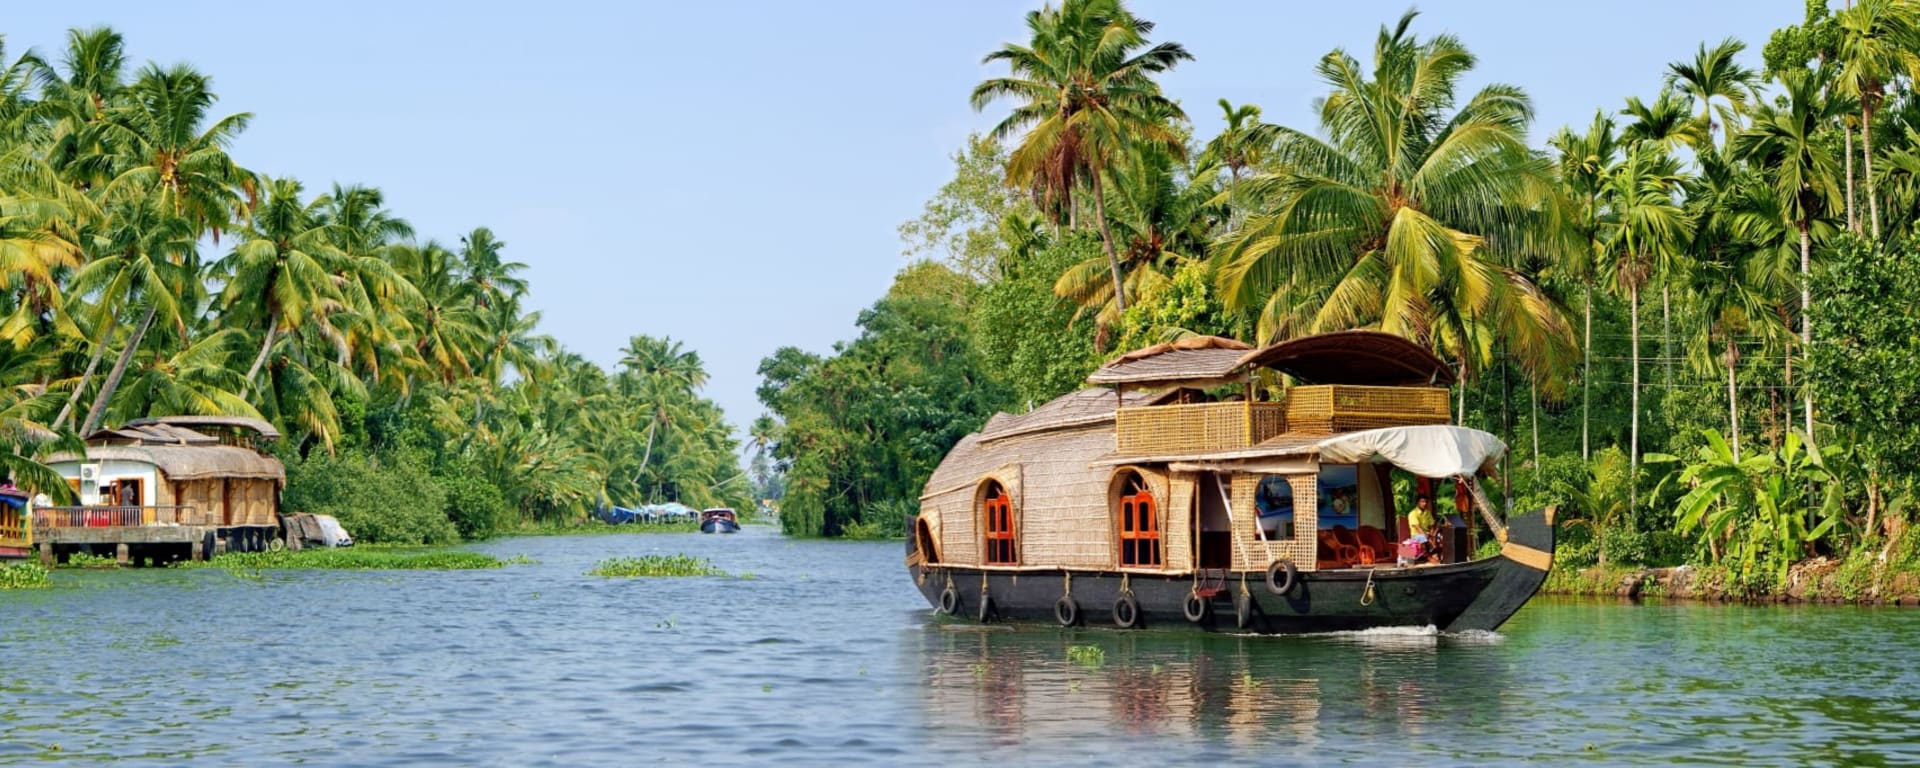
[1763,511]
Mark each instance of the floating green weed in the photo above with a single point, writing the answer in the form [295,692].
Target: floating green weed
[655,565]
[348,560]
[1087,655]
[23,576]
[89,561]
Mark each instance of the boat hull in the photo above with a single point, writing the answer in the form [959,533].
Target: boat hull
[719,526]
[1479,595]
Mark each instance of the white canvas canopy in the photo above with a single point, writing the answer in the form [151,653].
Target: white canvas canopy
[1427,451]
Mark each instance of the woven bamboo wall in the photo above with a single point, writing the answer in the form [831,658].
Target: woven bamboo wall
[1177,534]
[1332,408]
[1306,521]
[1197,427]
[1060,506]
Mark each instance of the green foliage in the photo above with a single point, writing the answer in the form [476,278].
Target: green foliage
[1187,305]
[1762,512]
[1866,366]
[378,500]
[869,424]
[655,565]
[1087,655]
[1027,337]
[885,519]
[23,576]
[476,507]
[348,559]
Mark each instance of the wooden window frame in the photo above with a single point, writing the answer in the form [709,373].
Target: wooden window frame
[1002,539]
[1139,524]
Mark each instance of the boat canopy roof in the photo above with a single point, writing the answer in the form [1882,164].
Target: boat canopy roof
[1343,357]
[1435,450]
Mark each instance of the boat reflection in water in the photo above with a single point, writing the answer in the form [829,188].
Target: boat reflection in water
[1381,688]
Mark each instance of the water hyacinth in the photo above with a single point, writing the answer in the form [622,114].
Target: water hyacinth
[349,560]
[655,565]
[23,576]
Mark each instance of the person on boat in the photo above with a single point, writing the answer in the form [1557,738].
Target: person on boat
[1424,543]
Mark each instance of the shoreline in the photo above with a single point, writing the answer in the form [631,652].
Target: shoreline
[1821,581]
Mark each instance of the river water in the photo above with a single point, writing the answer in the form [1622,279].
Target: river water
[826,656]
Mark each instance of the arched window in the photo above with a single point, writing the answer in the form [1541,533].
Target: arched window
[1139,525]
[1003,548]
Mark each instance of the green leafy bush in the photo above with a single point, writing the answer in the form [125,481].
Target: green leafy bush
[476,507]
[23,576]
[387,499]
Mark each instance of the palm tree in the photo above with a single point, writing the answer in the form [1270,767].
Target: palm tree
[487,277]
[75,99]
[444,325]
[142,257]
[1666,122]
[1161,214]
[278,276]
[1876,39]
[1648,224]
[1086,96]
[1404,215]
[1783,141]
[1586,162]
[166,162]
[1716,73]
[365,237]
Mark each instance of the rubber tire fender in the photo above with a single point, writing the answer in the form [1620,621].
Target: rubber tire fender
[1126,612]
[1066,611]
[1195,608]
[1282,576]
[949,600]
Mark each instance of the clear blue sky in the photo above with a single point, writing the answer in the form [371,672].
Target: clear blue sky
[731,174]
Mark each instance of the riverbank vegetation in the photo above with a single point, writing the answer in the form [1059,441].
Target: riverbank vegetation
[350,559]
[1687,316]
[145,271]
[655,565]
[23,576]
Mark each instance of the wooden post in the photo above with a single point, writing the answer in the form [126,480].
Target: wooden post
[46,554]
[121,554]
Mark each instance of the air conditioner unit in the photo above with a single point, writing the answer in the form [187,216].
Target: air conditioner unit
[89,474]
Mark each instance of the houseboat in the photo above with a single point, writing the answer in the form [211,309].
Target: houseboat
[1188,487]
[719,520]
[167,488]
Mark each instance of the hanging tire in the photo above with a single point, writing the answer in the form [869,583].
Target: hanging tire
[986,608]
[949,600]
[1282,576]
[1196,608]
[1126,612]
[1066,611]
[1242,611]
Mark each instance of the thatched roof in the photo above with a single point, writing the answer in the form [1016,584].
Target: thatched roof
[154,434]
[185,462]
[1353,357]
[1341,357]
[1086,406]
[257,426]
[1195,358]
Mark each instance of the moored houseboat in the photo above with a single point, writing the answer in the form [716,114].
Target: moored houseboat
[1187,488]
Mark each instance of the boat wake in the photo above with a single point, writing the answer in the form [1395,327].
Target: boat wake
[1411,637]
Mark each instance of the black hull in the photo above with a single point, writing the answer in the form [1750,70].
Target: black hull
[719,526]
[1479,595]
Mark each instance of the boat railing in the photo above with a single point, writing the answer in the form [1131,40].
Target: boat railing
[1334,408]
[14,528]
[108,516]
[1197,427]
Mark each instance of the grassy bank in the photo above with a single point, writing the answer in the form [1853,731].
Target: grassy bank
[353,559]
[655,565]
[1862,578]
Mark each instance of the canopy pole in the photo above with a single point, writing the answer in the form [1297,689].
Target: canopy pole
[1486,510]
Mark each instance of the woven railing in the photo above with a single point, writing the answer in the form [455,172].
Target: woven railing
[106,517]
[1197,427]
[1331,408]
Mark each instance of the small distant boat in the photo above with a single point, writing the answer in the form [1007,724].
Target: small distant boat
[719,520]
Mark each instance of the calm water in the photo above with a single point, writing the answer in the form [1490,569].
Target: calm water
[828,657]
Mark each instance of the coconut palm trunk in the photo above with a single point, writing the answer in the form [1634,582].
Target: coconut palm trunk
[1853,224]
[1533,419]
[93,363]
[1633,449]
[1666,331]
[261,359]
[1106,241]
[1866,156]
[1733,402]
[1806,305]
[1586,379]
[99,409]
